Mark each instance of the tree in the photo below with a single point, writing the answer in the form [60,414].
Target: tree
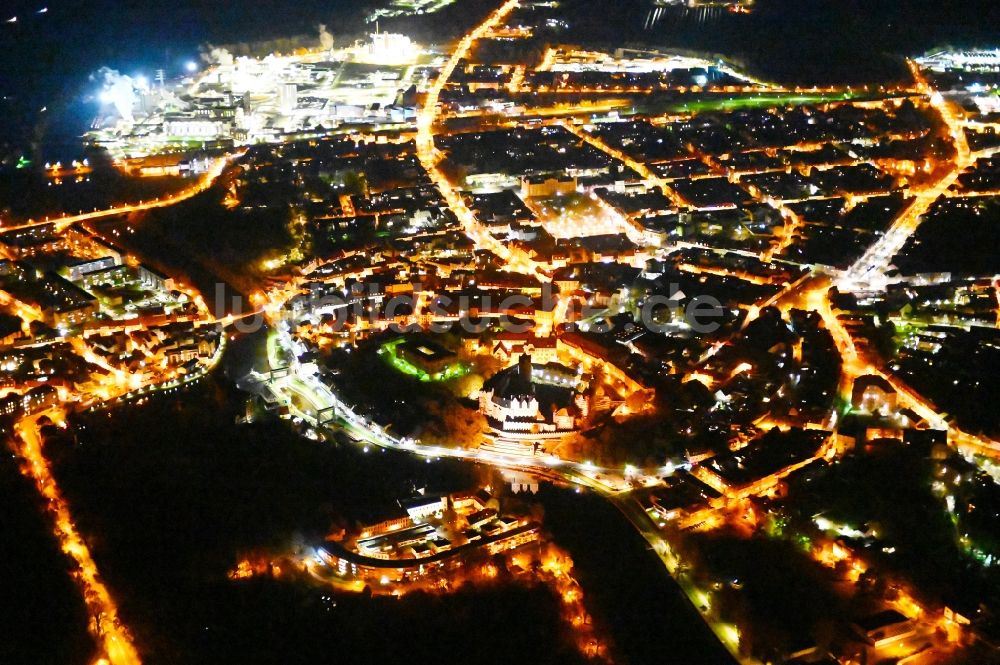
[467,385]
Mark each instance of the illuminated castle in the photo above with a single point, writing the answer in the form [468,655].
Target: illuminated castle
[534,400]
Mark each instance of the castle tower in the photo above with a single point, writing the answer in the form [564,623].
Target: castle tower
[524,367]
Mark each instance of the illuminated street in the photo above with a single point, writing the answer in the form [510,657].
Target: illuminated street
[105,625]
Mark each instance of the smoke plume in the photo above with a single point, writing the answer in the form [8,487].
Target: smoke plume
[117,90]
[217,56]
[325,38]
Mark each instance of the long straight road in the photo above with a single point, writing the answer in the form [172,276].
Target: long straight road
[868,271]
[428,116]
[112,638]
[637,166]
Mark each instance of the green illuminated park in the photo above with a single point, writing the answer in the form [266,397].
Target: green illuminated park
[757,101]
[390,352]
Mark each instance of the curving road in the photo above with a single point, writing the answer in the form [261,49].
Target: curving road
[202,184]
